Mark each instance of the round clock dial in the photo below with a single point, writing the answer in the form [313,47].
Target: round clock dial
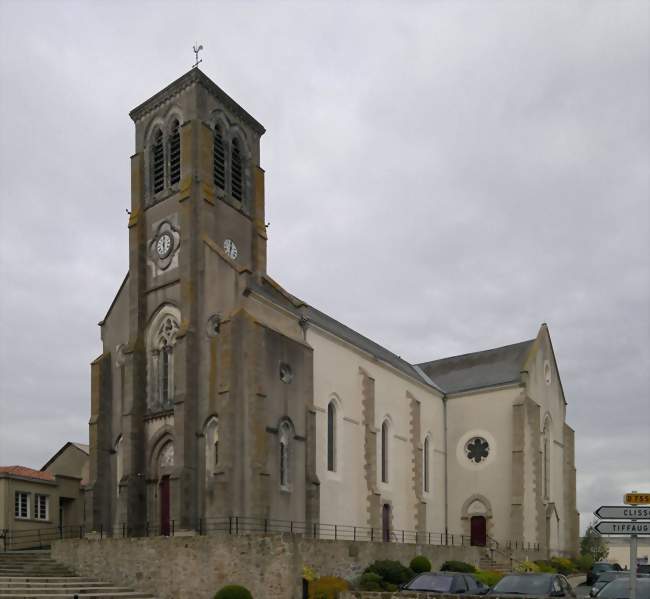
[164,245]
[230,248]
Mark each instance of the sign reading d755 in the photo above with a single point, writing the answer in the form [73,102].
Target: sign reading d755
[637,498]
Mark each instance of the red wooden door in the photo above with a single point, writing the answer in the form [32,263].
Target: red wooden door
[385,522]
[165,519]
[478,531]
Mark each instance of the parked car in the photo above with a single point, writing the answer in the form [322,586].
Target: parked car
[619,588]
[597,568]
[604,578]
[643,568]
[533,584]
[446,582]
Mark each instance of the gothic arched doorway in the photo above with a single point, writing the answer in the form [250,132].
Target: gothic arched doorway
[478,531]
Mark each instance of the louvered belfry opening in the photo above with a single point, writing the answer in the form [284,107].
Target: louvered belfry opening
[236,171]
[158,162]
[219,158]
[174,154]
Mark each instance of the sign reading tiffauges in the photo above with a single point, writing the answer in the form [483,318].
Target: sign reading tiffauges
[623,528]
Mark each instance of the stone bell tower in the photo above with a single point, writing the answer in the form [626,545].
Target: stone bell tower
[197,191]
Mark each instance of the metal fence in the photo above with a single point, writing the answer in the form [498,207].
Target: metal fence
[240,525]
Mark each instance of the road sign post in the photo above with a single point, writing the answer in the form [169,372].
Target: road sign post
[633,546]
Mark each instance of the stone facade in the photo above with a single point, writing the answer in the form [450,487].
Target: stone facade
[217,391]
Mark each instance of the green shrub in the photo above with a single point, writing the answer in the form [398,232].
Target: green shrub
[391,588]
[526,566]
[327,587]
[455,566]
[420,563]
[488,577]
[233,591]
[562,565]
[370,582]
[391,571]
[545,566]
[583,563]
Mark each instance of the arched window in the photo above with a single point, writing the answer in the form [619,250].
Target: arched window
[174,153]
[236,174]
[425,465]
[331,437]
[211,445]
[158,162]
[546,459]
[119,464]
[161,339]
[384,451]
[219,159]
[285,436]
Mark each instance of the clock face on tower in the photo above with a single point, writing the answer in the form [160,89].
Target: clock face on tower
[164,245]
[230,248]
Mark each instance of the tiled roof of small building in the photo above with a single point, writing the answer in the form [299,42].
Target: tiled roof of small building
[25,472]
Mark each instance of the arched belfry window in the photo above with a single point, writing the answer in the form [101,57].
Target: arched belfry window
[385,430]
[174,153]
[161,340]
[331,436]
[211,445]
[158,162]
[237,171]
[285,454]
[426,465]
[219,158]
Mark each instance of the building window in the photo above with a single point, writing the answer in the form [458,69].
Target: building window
[119,464]
[331,437]
[158,162]
[477,449]
[21,505]
[425,465]
[546,460]
[285,434]
[384,451]
[211,445]
[165,353]
[236,174]
[174,153]
[219,159]
[41,507]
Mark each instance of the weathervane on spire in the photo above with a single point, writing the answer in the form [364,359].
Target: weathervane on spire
[196,53]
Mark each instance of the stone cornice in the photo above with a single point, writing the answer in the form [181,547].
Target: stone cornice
[193,77]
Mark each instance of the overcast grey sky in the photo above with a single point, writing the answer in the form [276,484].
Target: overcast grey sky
[441,176]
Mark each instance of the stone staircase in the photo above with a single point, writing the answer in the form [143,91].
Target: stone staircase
[35,575]
[499,563]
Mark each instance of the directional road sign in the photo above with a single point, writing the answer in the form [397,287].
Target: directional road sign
[622,512]
[623,528]
[637,498]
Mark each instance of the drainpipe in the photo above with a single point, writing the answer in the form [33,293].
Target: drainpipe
[444,404]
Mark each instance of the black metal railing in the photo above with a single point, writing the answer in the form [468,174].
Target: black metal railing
[241,525]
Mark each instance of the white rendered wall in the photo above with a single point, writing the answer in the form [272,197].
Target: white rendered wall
[344,492]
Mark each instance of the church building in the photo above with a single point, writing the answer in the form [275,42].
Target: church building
[221,394]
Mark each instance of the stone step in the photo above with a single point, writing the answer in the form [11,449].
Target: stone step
[81,590]
[73,579]
[7,586]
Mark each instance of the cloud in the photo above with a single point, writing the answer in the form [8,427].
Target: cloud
[443,177]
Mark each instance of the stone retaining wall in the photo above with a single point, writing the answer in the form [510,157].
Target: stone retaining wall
[269,566]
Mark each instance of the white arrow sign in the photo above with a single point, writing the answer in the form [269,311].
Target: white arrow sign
[623,512]
[623,528]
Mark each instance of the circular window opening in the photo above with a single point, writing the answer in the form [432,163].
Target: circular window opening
[286,374]
[477,449]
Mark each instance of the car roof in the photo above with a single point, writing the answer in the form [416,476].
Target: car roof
[544,574]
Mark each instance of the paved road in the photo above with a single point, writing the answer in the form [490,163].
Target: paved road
[578,583]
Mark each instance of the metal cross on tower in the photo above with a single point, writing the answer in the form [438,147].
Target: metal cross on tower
[196,54]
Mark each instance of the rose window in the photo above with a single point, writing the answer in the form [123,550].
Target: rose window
[477,449]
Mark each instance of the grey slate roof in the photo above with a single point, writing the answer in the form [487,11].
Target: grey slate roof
[343,332]
[479,369]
